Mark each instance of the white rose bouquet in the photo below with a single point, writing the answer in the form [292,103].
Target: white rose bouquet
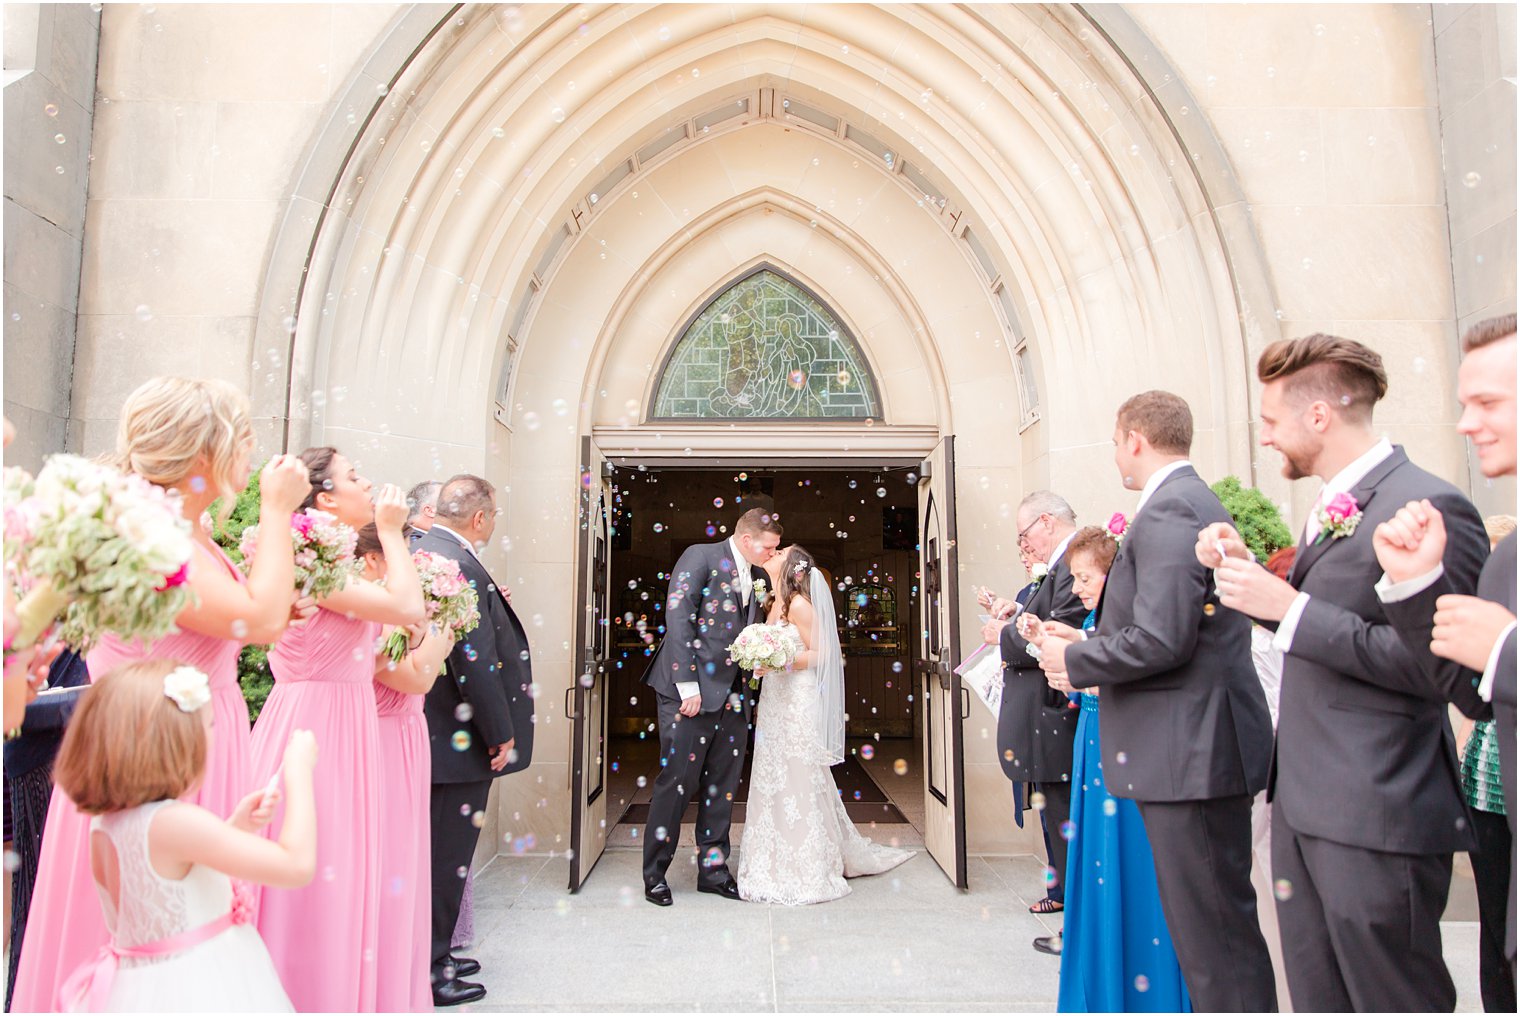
[107,550]
[764,645]
[452,602]
[324,552]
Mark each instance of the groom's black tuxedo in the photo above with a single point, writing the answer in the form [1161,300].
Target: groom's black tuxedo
[1186,733]
[704,612]
[1366,804]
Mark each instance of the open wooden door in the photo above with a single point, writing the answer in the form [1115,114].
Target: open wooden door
[586,699]
[939,650]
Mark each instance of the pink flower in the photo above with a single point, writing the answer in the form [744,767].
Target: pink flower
[244,904]
[177,579]
[1341,507]
[1117,524]
[302,524]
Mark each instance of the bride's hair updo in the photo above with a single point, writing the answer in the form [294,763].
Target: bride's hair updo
[795,565]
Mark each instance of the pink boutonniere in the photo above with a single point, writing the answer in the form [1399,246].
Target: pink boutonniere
[1118,525]
[1339,517]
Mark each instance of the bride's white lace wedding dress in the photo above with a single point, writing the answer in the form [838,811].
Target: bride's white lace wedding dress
[799,845]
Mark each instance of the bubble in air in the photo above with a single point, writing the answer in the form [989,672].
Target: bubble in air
[460,741]
[144,312]
[900,767]
[1283,890]
[464,712]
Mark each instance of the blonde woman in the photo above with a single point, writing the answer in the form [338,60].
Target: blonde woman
[194,437]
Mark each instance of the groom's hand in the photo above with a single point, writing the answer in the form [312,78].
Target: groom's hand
[691,706]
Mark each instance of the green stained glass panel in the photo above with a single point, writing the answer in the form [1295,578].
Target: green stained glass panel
[764,348]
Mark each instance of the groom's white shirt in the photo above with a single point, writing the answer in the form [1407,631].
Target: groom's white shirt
[691,689]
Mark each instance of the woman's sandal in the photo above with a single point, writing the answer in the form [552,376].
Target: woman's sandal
[1047,906]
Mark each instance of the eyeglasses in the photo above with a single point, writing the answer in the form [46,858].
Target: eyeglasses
[1025,531]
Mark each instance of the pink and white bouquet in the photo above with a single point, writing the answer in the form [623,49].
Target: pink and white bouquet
[324,551]
[764,645]
[452,602]
[107,550]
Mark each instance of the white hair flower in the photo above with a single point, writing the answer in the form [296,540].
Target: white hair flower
[188,687]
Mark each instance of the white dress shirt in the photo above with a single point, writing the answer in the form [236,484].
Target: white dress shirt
[1340,483]
[1156,479]
[691,689]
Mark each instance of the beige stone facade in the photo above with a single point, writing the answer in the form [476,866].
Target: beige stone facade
[466,238]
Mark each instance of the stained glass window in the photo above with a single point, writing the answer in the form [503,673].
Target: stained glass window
[766,348]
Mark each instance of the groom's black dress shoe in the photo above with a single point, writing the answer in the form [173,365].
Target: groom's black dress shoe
[464,966]
[457,992]
[1048,944]
[658,894]
[728,890]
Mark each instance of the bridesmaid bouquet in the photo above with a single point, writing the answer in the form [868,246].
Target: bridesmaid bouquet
[107,550]
[452,603]
[324,551]
[764,645]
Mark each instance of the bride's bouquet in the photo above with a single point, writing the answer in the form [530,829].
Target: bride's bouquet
[764,645]
[107,550]
[324,552]
[452,603]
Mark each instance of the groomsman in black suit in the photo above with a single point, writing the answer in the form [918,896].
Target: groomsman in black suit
[1186,732]
[1474,633]
[479,716]
[716,591]
[1366,807]
[1036,727]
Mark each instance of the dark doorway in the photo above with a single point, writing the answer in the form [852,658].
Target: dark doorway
[862,527]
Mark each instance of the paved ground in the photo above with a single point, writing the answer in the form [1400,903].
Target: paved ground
[903,941]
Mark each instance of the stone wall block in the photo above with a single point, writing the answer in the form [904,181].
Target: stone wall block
[39,353]
[1466,55]
[75,42]
[1479,142]
[40,259]
[45,175]
[1383,156]
[38,434]
[1483,267]
[154,150]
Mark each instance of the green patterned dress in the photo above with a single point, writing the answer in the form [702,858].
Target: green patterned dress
[1481,781]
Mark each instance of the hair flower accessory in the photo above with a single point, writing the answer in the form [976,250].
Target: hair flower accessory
[188,687]
[1338,517]
[1118,525]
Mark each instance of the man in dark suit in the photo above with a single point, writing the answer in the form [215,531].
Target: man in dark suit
[422,508]
[716,590]
[1366,808]
[1036,727]
[1186,732]
[480,720]
[1476,634]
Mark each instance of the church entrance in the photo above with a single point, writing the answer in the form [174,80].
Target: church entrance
[862,523]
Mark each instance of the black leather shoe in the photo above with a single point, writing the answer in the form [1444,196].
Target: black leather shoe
[1050,945]
[457,992]
[728,890]
[658,894]
[464,966]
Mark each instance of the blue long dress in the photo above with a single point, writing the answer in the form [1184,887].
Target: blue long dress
[1116,954]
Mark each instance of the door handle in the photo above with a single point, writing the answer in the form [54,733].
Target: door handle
[965,703]
[570,713]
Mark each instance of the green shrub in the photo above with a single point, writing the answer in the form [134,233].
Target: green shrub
[1256,517]
[253,661]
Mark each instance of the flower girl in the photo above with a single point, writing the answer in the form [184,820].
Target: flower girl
[182,937]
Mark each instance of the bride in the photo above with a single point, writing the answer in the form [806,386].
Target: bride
[799,845]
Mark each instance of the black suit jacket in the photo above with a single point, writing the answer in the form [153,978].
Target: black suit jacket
[1036,726]
[1414,618]
[704,613]
[1184,716]
[1365,754]
[489,670]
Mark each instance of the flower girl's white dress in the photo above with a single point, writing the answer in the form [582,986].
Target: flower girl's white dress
[205,953]
[799,844]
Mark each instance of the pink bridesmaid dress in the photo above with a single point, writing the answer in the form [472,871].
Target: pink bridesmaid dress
[406,890]
[65,926]
[324,937]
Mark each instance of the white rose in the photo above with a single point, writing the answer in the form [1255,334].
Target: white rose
[189,688]
[1039,571]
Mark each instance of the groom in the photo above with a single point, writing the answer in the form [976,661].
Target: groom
[715,591]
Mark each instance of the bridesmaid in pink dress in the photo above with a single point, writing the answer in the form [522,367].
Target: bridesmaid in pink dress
[194,437]
[325,938]
[406,765]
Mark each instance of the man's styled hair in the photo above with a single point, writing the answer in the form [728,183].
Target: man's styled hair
[1048,502]
[1162,418]
[1488,331]
[1096,544]
[128,743]
[1327,368]
[756,521]
[464,495]
[421,494]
